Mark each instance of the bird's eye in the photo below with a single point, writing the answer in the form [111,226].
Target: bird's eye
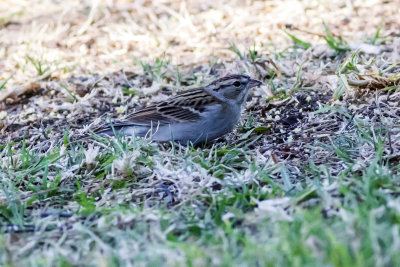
[236,84]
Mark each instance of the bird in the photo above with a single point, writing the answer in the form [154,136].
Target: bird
[192,116]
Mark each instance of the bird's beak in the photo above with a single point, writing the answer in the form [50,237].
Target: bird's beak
[254,83]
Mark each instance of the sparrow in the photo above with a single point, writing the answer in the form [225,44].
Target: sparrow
[194,115]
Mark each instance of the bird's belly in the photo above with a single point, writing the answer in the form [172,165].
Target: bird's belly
[196,132]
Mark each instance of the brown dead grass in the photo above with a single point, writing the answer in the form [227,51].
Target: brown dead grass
[75,38]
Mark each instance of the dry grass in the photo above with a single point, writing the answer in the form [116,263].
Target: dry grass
[75,38]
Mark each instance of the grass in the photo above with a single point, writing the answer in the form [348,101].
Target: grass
[377,36]
[252,55]
[348,218]
[338,44]
[299,42]
[4,83]
[310,177]
[38,65]
[157,70]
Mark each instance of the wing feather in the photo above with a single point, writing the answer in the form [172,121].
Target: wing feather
[184,107]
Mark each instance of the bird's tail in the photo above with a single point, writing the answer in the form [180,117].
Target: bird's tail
[104,131]
[109,130]
[120,129]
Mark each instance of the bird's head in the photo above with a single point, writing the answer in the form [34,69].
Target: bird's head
[233,88]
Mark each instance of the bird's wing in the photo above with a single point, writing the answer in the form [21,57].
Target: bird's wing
[185,107]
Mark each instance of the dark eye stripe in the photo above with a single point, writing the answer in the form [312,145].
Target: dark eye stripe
[222,86]
[230,77]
